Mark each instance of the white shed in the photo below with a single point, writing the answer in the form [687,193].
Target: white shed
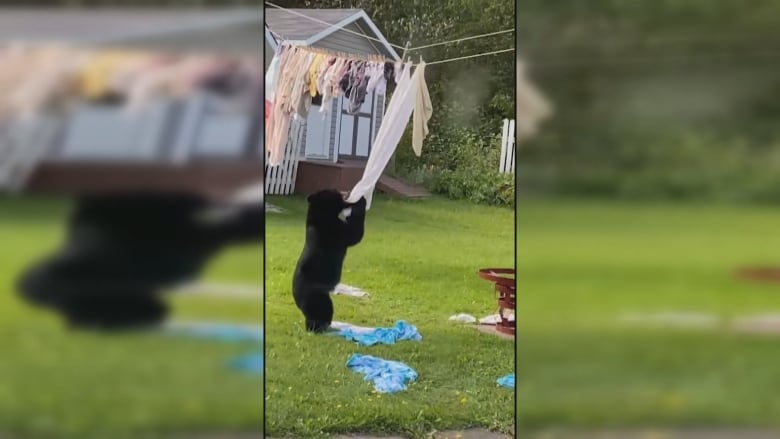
[332,149]
[175,143]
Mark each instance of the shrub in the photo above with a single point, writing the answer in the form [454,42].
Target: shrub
[459,163]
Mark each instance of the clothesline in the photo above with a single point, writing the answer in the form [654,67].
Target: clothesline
[470,56]
[461,39]
[349,56]
[352,56]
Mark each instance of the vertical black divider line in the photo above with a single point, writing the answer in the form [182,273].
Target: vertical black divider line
[263,155]
[257,122]
[516,233]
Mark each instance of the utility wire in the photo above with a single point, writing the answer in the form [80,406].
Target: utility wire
[462,39]
[470,56]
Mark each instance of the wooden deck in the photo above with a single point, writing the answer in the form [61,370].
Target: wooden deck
[399,188]
[214,179]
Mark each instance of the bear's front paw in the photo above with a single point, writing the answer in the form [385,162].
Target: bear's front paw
[361,203]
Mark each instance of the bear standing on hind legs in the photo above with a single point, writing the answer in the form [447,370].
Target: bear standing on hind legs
[328,235]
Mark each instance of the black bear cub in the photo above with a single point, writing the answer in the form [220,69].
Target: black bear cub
[328,235]
[123,250]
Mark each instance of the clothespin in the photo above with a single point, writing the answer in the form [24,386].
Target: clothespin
[406,48]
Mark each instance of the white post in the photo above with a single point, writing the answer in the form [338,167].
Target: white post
[512,146]
[504,141]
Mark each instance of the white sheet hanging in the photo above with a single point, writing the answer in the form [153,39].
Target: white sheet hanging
[272,77]
[399,112]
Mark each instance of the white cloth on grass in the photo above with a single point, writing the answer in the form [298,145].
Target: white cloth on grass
[272,208]
[340,326]
[463,318]
[495,319]
[346,290]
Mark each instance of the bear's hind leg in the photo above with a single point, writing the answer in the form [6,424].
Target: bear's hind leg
[319,313]
[317,326]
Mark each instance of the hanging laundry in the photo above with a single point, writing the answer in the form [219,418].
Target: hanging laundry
[358,91]
[386,73]
[97,74]
[49,81]
[362,78]
[297,74]
[281,112]
[331,79]
[322,70]
[423,110]
[42,78]
[271,78]
[535,107]
[376,75]
[226,77]
[147,84]
[185,76]
[399,111]
[313,71]
[409,91]
[126,76]
[300,97]
[397,70]
[14,60]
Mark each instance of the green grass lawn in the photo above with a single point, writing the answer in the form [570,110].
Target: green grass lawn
[419,261]
[581,264]
[56,383]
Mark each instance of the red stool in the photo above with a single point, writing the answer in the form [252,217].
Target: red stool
[504,278]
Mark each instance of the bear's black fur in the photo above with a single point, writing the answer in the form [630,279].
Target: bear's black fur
[123,249]
[319,268]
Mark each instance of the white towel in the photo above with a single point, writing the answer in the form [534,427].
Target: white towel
[463,318]
[339,326]
[346,290]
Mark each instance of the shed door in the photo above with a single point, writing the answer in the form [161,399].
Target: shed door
[100,132]
[356,130]
[317,134]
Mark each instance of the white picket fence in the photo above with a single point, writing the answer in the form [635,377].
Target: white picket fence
[507,164]
[280,180]
[23,143]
